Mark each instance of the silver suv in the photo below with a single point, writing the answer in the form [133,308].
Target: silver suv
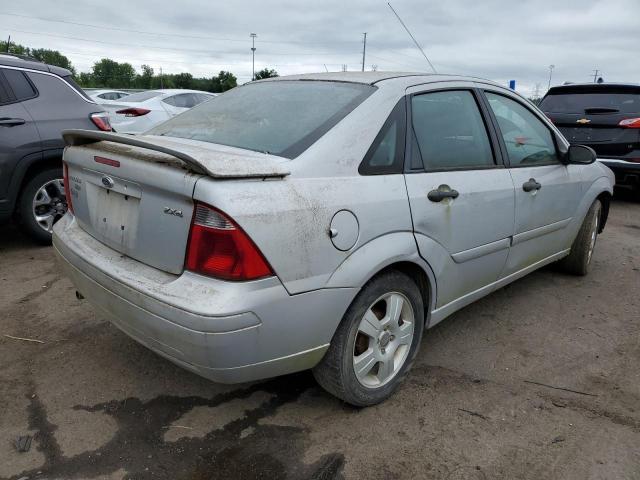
[323,221]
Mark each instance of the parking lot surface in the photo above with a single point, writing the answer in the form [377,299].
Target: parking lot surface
[538,380]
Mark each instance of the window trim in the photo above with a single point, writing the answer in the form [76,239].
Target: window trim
[8,88]
[398,112]
[503,145]
[493,137]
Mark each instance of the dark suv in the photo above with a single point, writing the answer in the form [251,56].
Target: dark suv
[37,102]
[604,116]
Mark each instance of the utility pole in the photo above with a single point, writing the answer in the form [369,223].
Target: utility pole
[364,49]
[551,67]
[8,43]
[595,75]
[253,56]
[161,86]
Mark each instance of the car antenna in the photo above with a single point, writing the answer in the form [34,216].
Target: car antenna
[412,38]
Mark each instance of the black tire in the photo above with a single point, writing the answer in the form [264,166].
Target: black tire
[26,217]
[578,261]
[336,373]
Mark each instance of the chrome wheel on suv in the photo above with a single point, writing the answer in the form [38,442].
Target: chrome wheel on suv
[49,204]
[41,204]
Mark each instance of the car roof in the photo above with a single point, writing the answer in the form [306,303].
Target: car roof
[375,78]
[11,60]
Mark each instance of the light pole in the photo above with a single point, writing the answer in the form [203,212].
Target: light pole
[551,67]
[253,56]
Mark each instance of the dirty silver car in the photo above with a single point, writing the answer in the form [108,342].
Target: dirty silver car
[323,222]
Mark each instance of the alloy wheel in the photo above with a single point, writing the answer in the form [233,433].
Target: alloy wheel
[383,340]
[49,204]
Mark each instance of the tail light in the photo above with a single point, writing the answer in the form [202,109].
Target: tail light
[630,123]
[101,120]
[67,189]
[219,248]
[133,112]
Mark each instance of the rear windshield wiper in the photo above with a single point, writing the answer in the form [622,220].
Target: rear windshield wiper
[596,110]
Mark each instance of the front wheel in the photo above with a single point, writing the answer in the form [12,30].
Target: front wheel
[578,261]
[376,342]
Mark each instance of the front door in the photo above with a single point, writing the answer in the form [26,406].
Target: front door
[461,196]
[546,190]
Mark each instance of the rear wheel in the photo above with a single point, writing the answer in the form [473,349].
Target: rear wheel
[42,203]
[376,342]
[579,260]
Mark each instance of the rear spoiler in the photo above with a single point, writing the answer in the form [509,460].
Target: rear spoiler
[219,161]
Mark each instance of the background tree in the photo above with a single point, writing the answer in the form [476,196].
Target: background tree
[183,80]
[109,73]
[51,57]
[145,80]
[266,73]
[223,81]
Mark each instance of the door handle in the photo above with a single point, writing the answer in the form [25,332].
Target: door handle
[11,122]
[442,192]
[531,185]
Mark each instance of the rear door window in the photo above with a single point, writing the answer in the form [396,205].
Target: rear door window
[18,83]
[528,140]
[449,131]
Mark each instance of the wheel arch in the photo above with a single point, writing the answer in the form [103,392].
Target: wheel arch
[393,251]
[605,199]
[29,167]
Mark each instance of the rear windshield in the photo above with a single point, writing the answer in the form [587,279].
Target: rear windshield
[142,96]
[282,117]
[586,101]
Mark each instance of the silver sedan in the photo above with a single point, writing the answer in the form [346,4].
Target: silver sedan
[323,221]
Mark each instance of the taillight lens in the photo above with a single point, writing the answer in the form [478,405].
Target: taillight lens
[101,120]
[133,112]
[67,189]
[219,248]
[630,123]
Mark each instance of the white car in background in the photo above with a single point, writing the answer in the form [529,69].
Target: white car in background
[102,96]
[144,110]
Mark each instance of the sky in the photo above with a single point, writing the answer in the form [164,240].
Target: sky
[495,39]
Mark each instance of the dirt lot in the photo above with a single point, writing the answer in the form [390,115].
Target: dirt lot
[102,406]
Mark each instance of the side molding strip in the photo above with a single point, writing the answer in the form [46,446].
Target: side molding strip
[540,231]
[481,251]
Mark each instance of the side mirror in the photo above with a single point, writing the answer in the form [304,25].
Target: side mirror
[580,155]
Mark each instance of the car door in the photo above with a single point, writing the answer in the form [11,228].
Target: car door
[18,134]
[461,196]
[546,190]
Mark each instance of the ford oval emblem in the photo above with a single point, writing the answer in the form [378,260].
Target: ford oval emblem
[107,182]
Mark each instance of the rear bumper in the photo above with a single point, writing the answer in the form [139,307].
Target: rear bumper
[228,332]
[627,173]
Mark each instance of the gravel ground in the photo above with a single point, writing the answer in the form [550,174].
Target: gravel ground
[479,403]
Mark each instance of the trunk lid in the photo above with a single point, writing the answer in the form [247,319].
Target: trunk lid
[135,194]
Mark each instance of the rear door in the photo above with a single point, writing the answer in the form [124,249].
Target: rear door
[461,196]
[547,192]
